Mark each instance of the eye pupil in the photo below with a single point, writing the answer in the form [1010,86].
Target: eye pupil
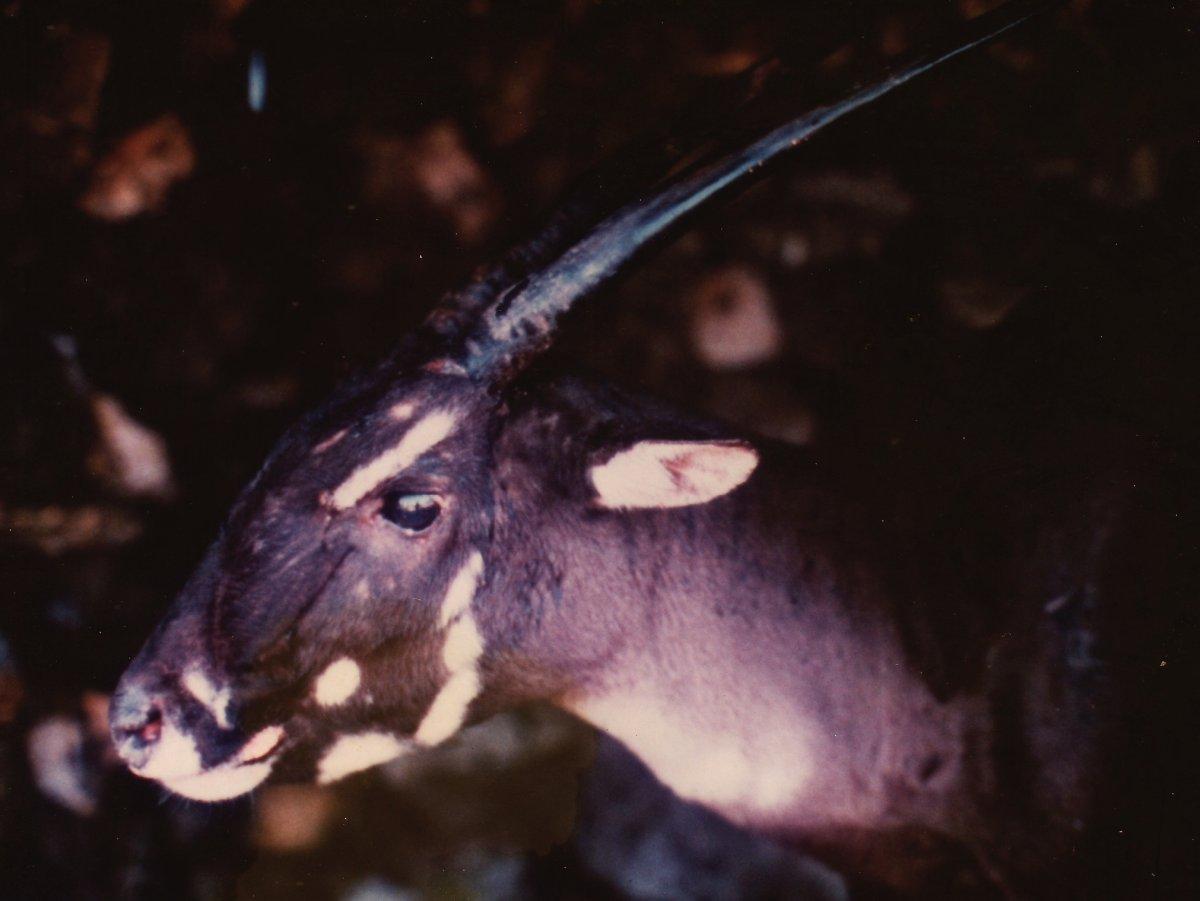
[411,512]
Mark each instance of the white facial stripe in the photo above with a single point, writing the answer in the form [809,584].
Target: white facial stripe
[664,474]
[460,654]
[337,683]
[429,431]
[352,753]
[200,687]
[462,590]
[464,644]
[449,709]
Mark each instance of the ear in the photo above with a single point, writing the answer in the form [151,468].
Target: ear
[672,473]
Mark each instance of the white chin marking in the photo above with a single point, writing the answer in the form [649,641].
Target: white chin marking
[215,700]
[221,783]
[353,753]
[662,474]
[337,683]
[429,431]
[181,772]
[175,755]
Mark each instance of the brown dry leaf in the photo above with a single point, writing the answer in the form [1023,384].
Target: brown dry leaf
[292,817]
[733,320]
[452,180]
[95,713]
[130,458]
[55,530]
[437,167]
[12,689]
[516,91]
[228,10]
[136,175]
[56,756]
[978,304]
[71,97]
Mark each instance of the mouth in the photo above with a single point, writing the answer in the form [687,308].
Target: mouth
[246,770]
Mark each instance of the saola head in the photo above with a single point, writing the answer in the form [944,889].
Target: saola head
[332,624]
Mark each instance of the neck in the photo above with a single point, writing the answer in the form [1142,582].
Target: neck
[766,681]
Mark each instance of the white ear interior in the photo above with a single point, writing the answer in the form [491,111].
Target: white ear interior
[672,473]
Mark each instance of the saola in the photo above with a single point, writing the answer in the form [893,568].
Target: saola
[445,539]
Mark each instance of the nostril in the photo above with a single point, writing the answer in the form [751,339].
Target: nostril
[136,721]
[150,732]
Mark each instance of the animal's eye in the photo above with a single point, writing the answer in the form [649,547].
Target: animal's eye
[411,512]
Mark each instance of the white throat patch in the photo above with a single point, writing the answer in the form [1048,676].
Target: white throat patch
[460,655]
[337,682]
[709,763]
[429,431]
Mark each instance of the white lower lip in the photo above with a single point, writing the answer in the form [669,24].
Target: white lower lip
[243,772]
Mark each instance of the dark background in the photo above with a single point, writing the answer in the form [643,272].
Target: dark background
[1006,246]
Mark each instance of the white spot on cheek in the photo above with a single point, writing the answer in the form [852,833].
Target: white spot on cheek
[352,753]
[200,687]
[337,683]
[428,432]
[402,412]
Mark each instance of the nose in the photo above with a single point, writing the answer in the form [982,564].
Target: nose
[135,719]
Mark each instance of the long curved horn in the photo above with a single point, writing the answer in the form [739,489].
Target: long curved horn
[599,192]
[520,318]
